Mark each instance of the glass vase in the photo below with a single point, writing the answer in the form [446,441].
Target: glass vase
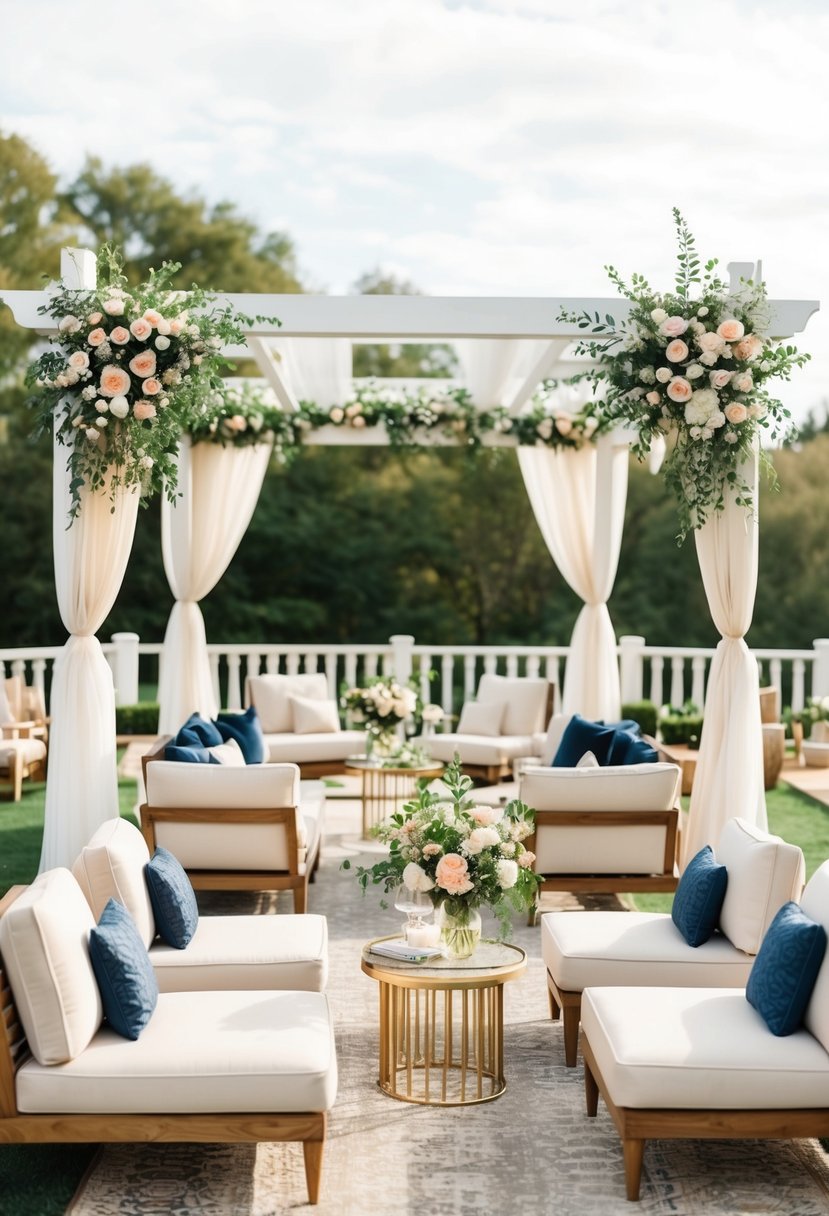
[460,932]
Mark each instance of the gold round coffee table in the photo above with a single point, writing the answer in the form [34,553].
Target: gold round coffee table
[386,789]
[442,1024]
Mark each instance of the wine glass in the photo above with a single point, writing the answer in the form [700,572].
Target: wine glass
[416,904]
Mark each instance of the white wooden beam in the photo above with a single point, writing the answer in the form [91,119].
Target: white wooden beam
[272,371]
[540,369]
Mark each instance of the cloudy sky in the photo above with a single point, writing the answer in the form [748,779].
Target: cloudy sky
[481,147]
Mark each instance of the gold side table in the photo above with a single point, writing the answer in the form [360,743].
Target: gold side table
[385,790]
[442,1024]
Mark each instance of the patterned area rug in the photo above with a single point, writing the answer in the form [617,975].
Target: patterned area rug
[533,1149]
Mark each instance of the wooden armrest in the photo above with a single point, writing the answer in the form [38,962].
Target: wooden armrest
[17,730]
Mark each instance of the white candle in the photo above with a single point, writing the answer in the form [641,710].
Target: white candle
[423,935]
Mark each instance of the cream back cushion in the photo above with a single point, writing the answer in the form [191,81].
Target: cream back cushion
[616,787]
[272,697]
[312,716]
[481,718]
[212,786]
[111,866]
[555,729]
[763,873]
[44,940]
[524,700]
[815,904]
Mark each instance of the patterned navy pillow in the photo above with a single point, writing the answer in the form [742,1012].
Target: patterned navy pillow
[785,969]
[171,895]
[246,729]
[127,983]
[699,897]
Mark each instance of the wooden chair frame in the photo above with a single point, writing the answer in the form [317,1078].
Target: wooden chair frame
[234,880]
[16,767]
[219,1128]
[636,1126]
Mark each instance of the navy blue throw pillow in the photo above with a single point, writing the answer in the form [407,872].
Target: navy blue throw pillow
[699,897]
[189,755]
[628,749]
[126,980]
[171,895]
[629,725]
[582,736]
[198,732]
[785,969]
[246,729]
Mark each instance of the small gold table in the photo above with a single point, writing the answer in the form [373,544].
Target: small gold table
[442,1024]
[385,790]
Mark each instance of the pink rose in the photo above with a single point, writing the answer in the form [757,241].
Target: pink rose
[143,410]
[736,413]
[487,815]
[153,318]
[79,361]
[653,398]
[719,379]
[141,329]
[94,318]
[743,382]
[731,330]
[452,873]
[672,327]
[114,381]
[526,859]
[96,337]
[150,387]
[679,389]
[748,347]
[237,423]
[120,336]
[144,364]
[676,351]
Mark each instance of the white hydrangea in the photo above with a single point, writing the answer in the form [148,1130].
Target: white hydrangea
[507,872]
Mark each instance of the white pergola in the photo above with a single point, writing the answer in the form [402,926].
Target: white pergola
[578,498]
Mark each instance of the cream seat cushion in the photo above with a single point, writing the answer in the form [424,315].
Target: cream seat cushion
[589,949]
[44,941]
[699,1048]
[272,697]
[764,872]
[476,749]
[316,747]
[30,750]
[201,1051]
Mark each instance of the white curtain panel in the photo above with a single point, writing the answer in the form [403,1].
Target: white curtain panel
[578,496]
[729,773]
[317,369]
[219,488]
[90,559]
[493,369]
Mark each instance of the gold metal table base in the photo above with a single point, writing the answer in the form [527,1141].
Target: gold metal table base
[442,1028]
[386,790]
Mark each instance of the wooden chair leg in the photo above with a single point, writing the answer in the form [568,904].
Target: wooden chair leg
[571,1015]
[312,1151]
[555,1008]
[634,1151]
[16,769]
[301,897]
[591,1092]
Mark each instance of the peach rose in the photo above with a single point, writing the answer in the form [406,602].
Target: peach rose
[526,859]
[485,816]
[743,382]
[719,379]
[676,351]
[736,413]
[79,361]
[114,307]
[120,336]
[96,337]
[94,318]
[452,874]
[748,347]
[141,329]
[653,398]
[237,423]
[731,330]
[114,381]
[152,317]
[176,326]
[143,364]
[150,387]
[672,327]
[679,389]
[143,410]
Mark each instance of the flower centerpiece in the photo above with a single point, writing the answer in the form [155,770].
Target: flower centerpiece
[691,364]
[465,856]
[381,704]
[128,366]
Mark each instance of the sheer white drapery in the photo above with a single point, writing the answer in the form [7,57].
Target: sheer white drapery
[729,773]
[578,497]
[494,369]
[90,559]
[317,369]
[200,533]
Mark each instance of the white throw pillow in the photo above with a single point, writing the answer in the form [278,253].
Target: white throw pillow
[588,760]
[524,699]
[111,866]
[229,753]
[272,697]
[44,939]
[764,872]
[481,718]
[311,717]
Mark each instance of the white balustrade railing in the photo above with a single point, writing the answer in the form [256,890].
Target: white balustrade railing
[446,674]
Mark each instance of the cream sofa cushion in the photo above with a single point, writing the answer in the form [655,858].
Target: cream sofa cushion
[228,753]
[319,747]
[201,1051]
[170,783]
[593,949]
[699,1048]
[247,952]
[616,787]
[313,716]
[481,718]
[44,941]
[763,873]
[524,700]
[815,904]
[111,866]
[476,749]
[272,697]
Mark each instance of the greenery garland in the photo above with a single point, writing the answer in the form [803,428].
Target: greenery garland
[128,368]
[690,364]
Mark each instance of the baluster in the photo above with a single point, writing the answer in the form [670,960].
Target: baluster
[798,684]
[19,668]
[272,663]
[331,674]
[370,667]
[533,666]
[468,677]
[698,680]
[351,669]
[447,668]
[512,666]
[677,680]
[234,692]
[292,663]
[213,657]
[425,682]
[776,674]
[311,663]
[490,664]
[657,670]
[38,676]
[252,663]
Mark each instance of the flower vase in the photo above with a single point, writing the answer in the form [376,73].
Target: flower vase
[459,932]
[380,744]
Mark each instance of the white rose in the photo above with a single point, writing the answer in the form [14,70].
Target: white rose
[69,325]
[114,306]
[507,872]
[161,343]
[480,839]
[694,371]
[101,421]
[119,406]
[416,879]
[730,437]
[147,462]
[709,358]
[663,374]
[659,315]
[702,312]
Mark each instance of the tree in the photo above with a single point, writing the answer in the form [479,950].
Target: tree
[432,359]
